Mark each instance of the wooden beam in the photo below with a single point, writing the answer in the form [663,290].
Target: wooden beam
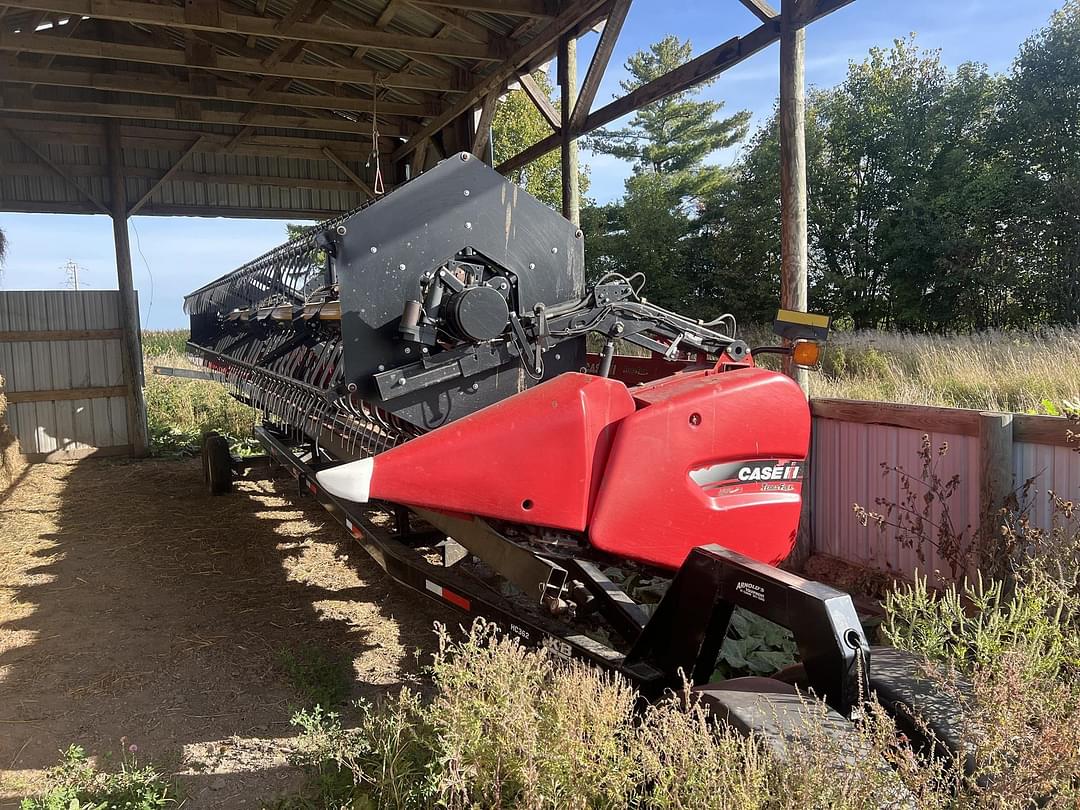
[157,86]
[93,49]
[996,487]
[63,334]
[459,21]
[387,14]
[793,221]
[58,171]
[129,312]
[66,394]
[540,100]
[182,112]
[228,22]
[133,210]
[350,20]
[809,10]
[517,8]
[571,193]
[923,418]
[509,69]
[707,66]
[345,170]
[483,125]
[760,9]
[169,210]
[419,158]
[1051,430]
[67,132]
[205,178]
[598,66]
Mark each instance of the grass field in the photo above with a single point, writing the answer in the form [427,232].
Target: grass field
[1001,371]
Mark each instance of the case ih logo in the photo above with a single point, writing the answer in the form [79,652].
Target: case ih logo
[767,475]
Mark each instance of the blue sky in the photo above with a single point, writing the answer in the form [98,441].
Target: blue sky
[180,253]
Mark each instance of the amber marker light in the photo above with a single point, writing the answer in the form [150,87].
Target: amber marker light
[806,353]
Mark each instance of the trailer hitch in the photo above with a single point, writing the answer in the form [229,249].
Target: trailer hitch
[688,628]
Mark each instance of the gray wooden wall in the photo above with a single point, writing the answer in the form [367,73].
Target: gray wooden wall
[66,381]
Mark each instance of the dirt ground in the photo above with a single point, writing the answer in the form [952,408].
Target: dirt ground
[134,605]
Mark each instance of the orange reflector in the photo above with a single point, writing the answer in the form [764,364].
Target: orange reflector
[806,353]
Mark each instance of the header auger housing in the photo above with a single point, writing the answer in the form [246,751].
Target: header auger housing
[427,354]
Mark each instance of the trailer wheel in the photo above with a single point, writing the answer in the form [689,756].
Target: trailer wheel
[217,464]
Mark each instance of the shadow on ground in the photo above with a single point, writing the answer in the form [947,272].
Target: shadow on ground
[133,605]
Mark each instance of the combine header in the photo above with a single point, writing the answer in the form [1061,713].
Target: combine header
[421,368]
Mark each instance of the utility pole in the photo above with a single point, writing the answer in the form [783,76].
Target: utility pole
[71,271]
[793,169]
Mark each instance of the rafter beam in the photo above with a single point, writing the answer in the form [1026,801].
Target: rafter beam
[540,100]
[58,171]
[206,90]
[67,132]
[539,45]
[512,8]
[345,170]
[517,8]
[458,21]
[419,158]
[164,178]
[93,49]
[760,9]
[483,124]
[705,67]
[186,112]
[354,21]
[598,66]
[228,22]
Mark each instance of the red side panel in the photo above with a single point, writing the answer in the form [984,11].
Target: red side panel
[534,458]
[708,458]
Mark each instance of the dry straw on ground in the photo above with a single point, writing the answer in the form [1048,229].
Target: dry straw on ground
[11,460]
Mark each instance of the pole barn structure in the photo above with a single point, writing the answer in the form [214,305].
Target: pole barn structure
[308,108]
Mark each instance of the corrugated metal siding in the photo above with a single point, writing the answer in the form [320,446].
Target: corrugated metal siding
[1053,468]
[30,365]
[40,188]
[846,469]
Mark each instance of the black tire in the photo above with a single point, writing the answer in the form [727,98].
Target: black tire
[217,464]
[932,719]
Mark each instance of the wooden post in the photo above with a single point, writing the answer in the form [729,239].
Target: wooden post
[129,312]
[792,169]
[995,486]
[571,193]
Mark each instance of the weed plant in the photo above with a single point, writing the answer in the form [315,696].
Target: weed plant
[180,411]
[76,784]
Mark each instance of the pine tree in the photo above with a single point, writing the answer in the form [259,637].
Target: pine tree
[672,136]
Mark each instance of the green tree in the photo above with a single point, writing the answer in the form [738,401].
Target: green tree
[672,136]
[907,195]
[517,125]
[647,232]
[738,253]
[1040,132]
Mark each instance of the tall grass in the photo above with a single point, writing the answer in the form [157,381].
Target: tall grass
[1003,371]
[179,411]
[515,728]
